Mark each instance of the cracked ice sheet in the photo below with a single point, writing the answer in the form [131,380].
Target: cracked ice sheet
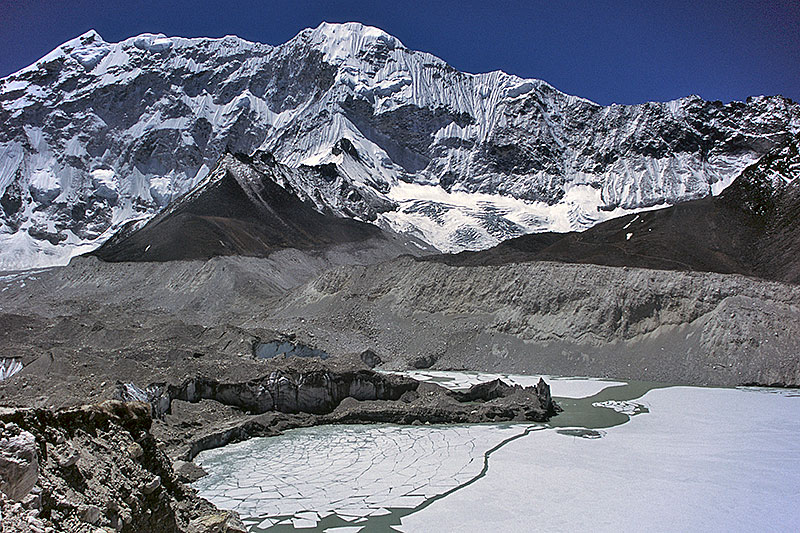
[559,387]
[350,471]
[700,460]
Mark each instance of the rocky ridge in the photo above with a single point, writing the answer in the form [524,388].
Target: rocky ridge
[239,209]
[559,319]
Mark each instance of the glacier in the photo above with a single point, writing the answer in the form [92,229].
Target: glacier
[97,134]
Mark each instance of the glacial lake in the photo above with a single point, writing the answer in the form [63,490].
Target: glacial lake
[621,457]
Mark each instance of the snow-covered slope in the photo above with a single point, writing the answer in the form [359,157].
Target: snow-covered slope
[96,134]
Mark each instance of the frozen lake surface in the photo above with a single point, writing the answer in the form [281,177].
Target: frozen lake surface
[621,457]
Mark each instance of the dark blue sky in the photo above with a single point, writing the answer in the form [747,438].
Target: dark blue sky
[624,51]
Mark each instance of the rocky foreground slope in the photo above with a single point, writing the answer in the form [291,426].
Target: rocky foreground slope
[94,468]
[104,467]
[96,134]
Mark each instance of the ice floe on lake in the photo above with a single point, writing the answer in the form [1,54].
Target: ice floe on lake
[561,387]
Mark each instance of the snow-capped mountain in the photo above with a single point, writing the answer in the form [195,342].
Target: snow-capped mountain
[96,134]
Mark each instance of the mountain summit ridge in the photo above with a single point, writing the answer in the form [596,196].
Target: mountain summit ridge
[97,134]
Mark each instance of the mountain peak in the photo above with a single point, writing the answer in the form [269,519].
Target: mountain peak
[357,29]
[87,49]
[239,210]
[87,38]
[90,36]
[339,41]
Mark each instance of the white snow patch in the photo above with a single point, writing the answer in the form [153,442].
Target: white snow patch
[475,214]
[152,42]
[105,183]
[90,56]
[44,185]
[9,366]
[161,190]
[625,407]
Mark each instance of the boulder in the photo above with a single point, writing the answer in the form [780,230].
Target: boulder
[135,450]
[187,471]
[222,522]
[151,486]
[370,358]
[423,361]
[67,456]
[91,514]
[19,463]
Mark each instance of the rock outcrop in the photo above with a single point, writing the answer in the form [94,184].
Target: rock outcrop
[314,389]
[19,463]
[310,392]
[89,481]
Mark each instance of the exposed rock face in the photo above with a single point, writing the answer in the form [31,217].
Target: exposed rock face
[19,464]
[769,193]
[312,391]
[96,134]
[307,392]
[105,487]
[314,387]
